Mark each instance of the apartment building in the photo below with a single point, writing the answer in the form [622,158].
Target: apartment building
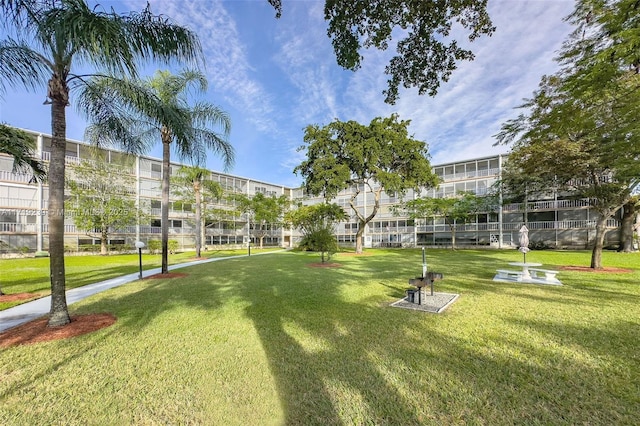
[23,206]
[555,221]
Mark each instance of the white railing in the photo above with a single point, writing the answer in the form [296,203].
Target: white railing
[150,174]
[494,226]
[15,177]
[18,202]
[546,205]
[471,174]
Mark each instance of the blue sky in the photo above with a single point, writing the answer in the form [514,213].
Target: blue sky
[274,77]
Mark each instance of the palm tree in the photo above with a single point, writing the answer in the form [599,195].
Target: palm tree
[20,145]
[192,184]
[48,41]
[158,109]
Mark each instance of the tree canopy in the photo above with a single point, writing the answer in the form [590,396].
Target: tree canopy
[101,199]
[263,212]
[580,133]
[454,210]
[378,157]
[46,41]
[135,114]
[426,52]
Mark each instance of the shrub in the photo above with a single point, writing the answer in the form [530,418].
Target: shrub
[154,246]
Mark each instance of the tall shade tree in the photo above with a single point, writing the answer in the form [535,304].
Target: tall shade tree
[580,134]
[102,199]
[21,146]
[381,157]
[192,186]
[427,51]
[47,41]
[134,114]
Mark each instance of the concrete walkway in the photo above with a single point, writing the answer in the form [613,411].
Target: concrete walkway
[31,310]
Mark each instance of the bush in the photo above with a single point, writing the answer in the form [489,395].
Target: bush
[155,246]
[321,240]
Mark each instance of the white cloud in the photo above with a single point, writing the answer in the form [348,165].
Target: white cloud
[228,66]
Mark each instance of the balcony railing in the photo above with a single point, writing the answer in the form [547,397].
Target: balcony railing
[470,174]
[515,227]
[15,177]
[21,203]
[546,205]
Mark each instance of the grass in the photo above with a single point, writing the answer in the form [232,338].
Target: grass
[270,340]
[31,275]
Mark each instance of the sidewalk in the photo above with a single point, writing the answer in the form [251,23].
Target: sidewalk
[31,310]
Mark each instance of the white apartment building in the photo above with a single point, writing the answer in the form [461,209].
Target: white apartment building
[555,221]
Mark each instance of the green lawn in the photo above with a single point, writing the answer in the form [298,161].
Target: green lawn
[270,340]
[31,275]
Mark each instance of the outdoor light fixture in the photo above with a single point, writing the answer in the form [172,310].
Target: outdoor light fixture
[140,246]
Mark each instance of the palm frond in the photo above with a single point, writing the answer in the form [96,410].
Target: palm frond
[21,146]
[21,66]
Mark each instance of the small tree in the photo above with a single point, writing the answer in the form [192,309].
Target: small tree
[263,212]
[454,210]
[381,157]
[101,200]
[317,224]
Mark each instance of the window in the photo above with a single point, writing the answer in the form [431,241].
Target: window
[156,168]
[156,223]
[156,204]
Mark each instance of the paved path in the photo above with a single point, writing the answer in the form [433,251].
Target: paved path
[31,310]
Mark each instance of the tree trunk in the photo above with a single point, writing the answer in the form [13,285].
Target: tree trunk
[104,236]
[452,228]
[164,213]
[359,236]
[196,189]
[627,226]
[596,254]
[59,314]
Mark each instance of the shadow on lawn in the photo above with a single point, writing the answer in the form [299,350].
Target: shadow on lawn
[338,356]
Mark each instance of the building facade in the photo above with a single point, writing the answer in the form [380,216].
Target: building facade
[553,222]
[23,206]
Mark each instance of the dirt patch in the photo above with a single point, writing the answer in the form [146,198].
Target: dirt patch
[608,270]
[168,275]
[19,296]
[324,265]
[37,331]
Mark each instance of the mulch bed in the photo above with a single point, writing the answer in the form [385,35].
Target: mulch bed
[37,331]
[19,296]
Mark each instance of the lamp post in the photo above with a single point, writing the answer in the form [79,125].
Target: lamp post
[140,246]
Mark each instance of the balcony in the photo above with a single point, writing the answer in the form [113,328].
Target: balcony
[546,205]
[15,177]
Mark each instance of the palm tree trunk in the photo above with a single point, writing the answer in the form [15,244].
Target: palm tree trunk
[164,214]
[196,189]
[59,314]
